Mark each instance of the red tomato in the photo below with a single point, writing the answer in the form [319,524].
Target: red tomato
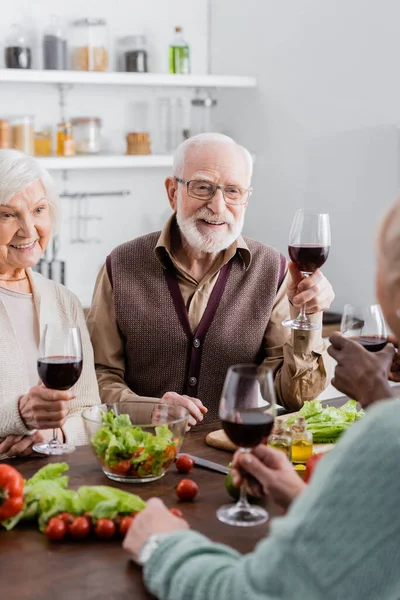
[121,468]
[11,490]
[55,529]
[311,464]
[124,525]
[187,489]
[175,511]
[104,529]
[184,464]
[66,517]
[79,528]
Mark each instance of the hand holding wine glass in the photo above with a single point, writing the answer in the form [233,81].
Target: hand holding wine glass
[365,325]
[59,367]
[247,411]
[309,245]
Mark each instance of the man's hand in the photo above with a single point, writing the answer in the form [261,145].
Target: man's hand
[360,374]
[394,372]
[20,445]
[272,475]
[315,291]
[195,406]
[155,518]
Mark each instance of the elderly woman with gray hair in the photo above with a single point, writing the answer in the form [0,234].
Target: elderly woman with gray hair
[29,212]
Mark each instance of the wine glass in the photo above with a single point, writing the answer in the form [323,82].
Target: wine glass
[59,367]
[247,411]
[309,245]
[365,325]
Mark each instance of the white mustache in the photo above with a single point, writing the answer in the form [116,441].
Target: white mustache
[208,215]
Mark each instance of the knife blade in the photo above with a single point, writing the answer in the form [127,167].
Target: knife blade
[206,464]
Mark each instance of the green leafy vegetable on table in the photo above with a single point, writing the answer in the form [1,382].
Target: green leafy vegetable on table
[327,424]
[126,449]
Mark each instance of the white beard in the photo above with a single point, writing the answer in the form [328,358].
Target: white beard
[214,241]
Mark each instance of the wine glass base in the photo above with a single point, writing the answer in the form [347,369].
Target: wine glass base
[242,516]
[53,449]
[301,325]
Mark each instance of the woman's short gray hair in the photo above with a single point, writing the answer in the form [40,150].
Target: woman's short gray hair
[207,139]
[18,171]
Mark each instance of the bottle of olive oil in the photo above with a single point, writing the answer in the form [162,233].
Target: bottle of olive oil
[302,442]
[179,54]
[280,439]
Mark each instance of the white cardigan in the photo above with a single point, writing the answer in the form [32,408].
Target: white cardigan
[53,304]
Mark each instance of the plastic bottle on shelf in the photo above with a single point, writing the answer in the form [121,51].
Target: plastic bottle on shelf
[54,46]
[179,54]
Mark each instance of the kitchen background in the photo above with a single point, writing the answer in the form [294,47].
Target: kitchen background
[320,117]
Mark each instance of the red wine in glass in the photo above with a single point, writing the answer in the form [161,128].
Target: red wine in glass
[59,372]
[308,257]
[372,343]
[249,429]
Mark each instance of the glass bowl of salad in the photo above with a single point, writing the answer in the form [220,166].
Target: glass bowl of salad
[135,441]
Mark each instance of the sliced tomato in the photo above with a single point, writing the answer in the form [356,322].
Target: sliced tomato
[121,468]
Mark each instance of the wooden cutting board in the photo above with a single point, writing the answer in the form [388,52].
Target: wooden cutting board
[218,439]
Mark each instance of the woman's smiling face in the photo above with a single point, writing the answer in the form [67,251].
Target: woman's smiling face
[25,228]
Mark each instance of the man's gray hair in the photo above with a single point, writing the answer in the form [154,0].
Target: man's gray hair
[207,139]
[18,171]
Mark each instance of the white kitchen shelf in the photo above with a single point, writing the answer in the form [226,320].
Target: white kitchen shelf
[102,161]
[126,79]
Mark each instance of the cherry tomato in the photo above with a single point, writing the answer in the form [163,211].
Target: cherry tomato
[184,464]
[311,464]
[187,490]
[104,529]
[175,511]
[121,468]
[66,517]
[124,525]
[79,528]
[55,529]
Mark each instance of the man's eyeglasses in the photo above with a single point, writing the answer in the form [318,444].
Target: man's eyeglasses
[205,190]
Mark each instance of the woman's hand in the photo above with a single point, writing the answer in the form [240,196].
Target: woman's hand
[42,408]
[272,475]
[195,406]
[20,445]
[155,518]
[360,374]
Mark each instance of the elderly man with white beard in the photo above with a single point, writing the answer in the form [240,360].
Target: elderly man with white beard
[172,310]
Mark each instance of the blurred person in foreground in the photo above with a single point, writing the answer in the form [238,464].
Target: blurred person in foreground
[340,536]
[29,214]
[172,310]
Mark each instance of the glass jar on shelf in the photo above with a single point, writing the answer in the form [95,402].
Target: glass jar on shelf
[22,134]
[5,134]
[89,41]
[87,135]
[133,54]
[65,139]
[55,45]
[17,51]
[201,113]
[43,143]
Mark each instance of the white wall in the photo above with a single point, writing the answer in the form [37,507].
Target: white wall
[147,208]
[329,98]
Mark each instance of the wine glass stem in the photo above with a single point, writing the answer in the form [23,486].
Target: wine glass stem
[54,440]
[243,502]
[302,314]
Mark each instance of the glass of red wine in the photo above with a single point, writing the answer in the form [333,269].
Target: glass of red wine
[365,325]
[247,411]
[309,245]
[59,367]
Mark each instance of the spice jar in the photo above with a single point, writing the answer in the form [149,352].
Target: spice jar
[5,134]
[87,136]
[138,143]
[43,143]
[201,113]
[280,439]
[302,441]
[65,140]
[90,45]
[22,134]
[54,45]
[18,54]
[134,53]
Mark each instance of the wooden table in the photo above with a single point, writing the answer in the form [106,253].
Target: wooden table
[32,568]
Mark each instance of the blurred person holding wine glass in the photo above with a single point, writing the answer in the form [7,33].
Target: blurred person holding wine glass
[200,297]
[29,411]
[338,536]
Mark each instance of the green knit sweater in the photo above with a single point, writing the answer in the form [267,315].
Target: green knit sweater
[339,541]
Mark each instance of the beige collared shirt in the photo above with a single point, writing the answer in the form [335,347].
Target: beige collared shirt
[297,358]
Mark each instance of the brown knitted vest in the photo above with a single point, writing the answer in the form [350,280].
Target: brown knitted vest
[161,353]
